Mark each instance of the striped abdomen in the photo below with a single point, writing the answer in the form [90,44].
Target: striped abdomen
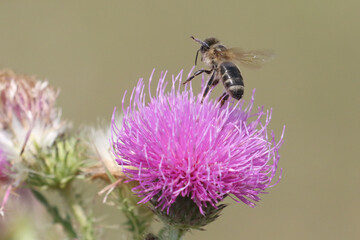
[232,79]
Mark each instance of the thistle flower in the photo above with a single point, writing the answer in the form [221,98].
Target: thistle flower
[99,150]
[28,118]
[138,217]
[180,148]
[59,165]
[29,126]
[4,168]
[4,179]
[30,133]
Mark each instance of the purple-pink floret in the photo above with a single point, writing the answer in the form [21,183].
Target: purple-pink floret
[174,145]
[4,168]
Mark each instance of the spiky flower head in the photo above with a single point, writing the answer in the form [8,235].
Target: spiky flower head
[32,135]
[102,165]
[4,168]
[182,148]
[99,151]
[28,118]
[4,180]
[59,165]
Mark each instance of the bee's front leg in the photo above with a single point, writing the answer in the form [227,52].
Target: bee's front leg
[197,73]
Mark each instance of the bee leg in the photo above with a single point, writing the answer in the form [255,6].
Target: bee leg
[223,98]
[209,84]
[215,82]
[196,74]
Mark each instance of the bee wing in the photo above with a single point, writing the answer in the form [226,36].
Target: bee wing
[254,59]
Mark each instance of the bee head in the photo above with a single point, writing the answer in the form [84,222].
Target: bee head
[205,45]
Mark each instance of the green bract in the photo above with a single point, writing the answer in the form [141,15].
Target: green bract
[58,165]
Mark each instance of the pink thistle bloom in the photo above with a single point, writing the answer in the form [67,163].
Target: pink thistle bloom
[4,179]
[178,147]
[29,124]
[4,168]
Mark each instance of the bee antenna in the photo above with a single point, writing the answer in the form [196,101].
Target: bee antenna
[201,42]
[197,53]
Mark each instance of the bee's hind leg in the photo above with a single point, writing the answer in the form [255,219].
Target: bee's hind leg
[223,98]
[208,85]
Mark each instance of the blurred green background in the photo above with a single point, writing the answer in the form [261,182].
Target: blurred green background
[95,50]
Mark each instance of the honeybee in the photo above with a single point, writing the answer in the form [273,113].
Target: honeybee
[222,62]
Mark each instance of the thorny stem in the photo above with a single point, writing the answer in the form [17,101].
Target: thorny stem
[54,213]
[138,224]
[130,215]
[172,233]
[78,212]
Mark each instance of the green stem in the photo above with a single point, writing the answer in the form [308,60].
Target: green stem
[54,213]
[176,234]
[132,218]
[172,233]
[78,212]
[138,223]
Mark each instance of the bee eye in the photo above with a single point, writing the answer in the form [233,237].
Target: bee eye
[204,48]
